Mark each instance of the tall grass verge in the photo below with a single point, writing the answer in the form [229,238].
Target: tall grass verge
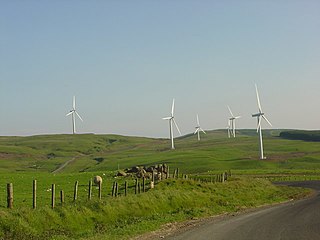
[124,217]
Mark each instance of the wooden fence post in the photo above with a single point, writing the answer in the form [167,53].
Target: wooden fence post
[53,195]
[152,180]
[177,173]
[113,189]
[168,173]
[90,190]
[61,196]
[10,195]
[136,187]
[143,184]
[117,189]
[125,188]
[75,194]
[34,194]
[139,187]
[100,190]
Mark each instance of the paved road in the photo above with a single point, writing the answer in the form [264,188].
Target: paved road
[295,220]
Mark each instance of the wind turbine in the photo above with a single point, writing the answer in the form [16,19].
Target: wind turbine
[171,122]
[232,124]
[198,128]
[228,128]
[259,117]
[73,113]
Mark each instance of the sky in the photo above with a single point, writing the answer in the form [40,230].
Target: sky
[126,60]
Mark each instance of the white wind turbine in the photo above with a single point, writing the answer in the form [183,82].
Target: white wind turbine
[171,121]
[228,128]
[259,117]
[198,128]
[232,124]
[73,113]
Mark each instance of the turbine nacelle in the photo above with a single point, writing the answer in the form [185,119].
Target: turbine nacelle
[167,118]
[257,114]
[234,118]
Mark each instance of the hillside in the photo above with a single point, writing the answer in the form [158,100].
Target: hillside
[89,152]
[301,135]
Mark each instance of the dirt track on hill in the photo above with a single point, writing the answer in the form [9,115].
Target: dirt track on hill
[62,166]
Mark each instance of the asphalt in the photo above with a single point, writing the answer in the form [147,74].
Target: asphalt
[293,220]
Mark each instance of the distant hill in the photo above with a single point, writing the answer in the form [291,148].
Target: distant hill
[215,152]
[301,135]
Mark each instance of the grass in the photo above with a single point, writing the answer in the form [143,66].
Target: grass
[215,152]
[125,217]
[26,158]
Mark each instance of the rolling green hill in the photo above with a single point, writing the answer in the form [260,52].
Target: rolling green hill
[80,157]
[215,152]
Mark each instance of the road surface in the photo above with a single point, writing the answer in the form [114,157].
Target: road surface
[294,220]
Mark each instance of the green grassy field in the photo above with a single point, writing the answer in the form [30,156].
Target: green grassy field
[215,152]
[125,217]
[64,159]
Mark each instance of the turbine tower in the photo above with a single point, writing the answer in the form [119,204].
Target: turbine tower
[259,117]
[232,124]
[171,122]
[73,114]
[229,128]
[198,128]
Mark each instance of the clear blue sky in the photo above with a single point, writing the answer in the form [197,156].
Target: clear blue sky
[126,60]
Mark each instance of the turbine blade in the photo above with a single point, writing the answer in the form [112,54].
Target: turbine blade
[78,115]
[74,102]
[198,120]
[197,130]
[237,117]
[69,113]
[174,121]
[230,111]
[203,131]
[172,108]
[258,99]
[265,118]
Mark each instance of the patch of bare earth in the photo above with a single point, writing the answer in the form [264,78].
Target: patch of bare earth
[7,155]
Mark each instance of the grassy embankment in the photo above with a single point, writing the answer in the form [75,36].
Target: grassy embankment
[124,217]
